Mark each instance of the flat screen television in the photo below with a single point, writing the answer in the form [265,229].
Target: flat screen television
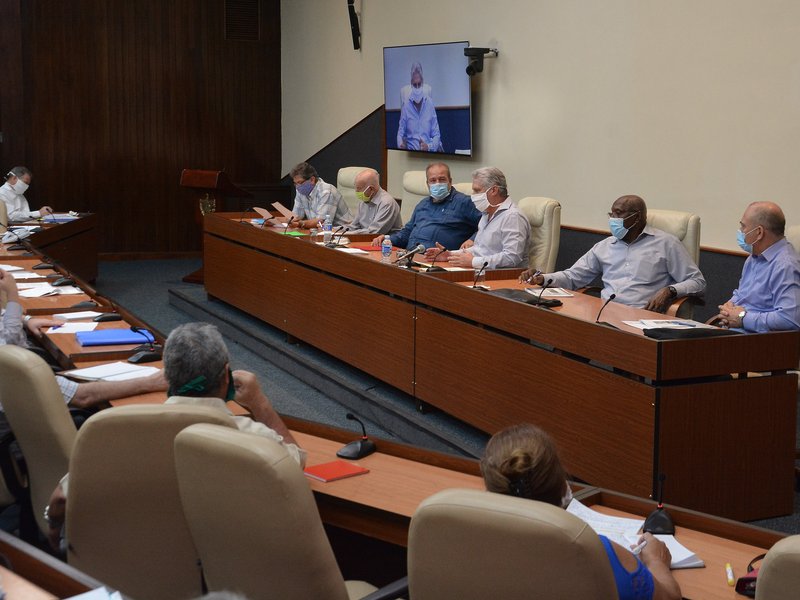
[427,97]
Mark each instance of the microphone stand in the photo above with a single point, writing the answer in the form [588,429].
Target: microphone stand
[433,268]
[340,232]
[659,521]
[357,448]
[145,353]
[547,284]
[602,308]
[477,276]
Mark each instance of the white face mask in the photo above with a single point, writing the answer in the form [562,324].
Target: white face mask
[416,94]
[480,201]
[19,187]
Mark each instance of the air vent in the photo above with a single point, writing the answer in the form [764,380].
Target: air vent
[242,20]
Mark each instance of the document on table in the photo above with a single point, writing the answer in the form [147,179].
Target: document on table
[550,292]
[668,323]
[352,250]
[39,291]
[82,314]
[100,593]
[72,328]
[116,371]
[283,210]
[26,275]
[9,268]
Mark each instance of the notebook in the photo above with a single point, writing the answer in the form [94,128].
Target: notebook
[113,337]
[331,471]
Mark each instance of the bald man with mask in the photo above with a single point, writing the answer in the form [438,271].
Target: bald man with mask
[378,211]
[643,266]
[768,296]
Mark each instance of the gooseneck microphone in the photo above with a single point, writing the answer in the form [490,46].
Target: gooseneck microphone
[433,266]
[288,223]
[409,253]
[547,284]
[340,232]
[659,522]
[244,212]
[602,308]
[357,448]
[478,274]
[145,353]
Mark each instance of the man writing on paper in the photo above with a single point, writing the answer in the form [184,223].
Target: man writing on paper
[768,296]
[503,232]
[197,368]
[89,395]
[377,212]
[447,216]
[12,193]
[315,199]
[644,266]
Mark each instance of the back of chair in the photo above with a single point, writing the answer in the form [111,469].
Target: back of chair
[779,576]
[346,184]
[415,188]
[125,523]
[683,225]
[793,235]
[253,517]
[3,216]
[38,416]
[544,215]
[472,545]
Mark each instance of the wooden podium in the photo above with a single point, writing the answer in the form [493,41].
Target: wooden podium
[213,185]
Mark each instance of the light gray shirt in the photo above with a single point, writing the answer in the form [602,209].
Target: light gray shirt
[380,215]
[502,240]
[323,200]
[635,271]
[11,327]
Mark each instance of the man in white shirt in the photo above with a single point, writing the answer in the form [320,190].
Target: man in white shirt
[378,211]
[12,193]
[315,199]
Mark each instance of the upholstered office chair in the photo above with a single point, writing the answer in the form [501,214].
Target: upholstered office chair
[779,576]
[793,235]
[465,187]
[3,217]
[125,523]
[683,225]
[38,416]
[544,215]
[226,480]
[472,545]
[346,184]
[415,188]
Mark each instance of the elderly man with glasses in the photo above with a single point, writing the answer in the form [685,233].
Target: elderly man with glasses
[643,266]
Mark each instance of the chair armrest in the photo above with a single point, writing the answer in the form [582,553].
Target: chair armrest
[683,308]
[390,591]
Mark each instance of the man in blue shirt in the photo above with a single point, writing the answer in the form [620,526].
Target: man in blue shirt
[446,216]
[768,296]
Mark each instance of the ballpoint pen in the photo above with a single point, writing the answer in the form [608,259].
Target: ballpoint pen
[531,278]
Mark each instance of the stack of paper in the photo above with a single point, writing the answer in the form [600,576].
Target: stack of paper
[10,268]
[72,328]
[117,371]
[81,314]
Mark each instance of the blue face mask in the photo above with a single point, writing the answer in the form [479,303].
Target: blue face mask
[439,191]
[617,226]
[305,188]
[740,237]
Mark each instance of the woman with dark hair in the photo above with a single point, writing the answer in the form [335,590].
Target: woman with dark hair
[522,461]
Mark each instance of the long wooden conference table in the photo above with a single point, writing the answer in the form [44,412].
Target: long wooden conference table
[377,507]
[623,408]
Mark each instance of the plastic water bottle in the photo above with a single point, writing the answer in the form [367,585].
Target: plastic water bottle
[327,229]
[386,249]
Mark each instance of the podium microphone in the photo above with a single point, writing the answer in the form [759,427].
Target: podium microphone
[659,522]
[433,268]
[289,222]
[478,274]
[602,308]
[340,232]
[149,352]
[408,254]
[357,448]
[241,217]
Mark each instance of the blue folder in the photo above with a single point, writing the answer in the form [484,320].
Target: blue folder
[113,337]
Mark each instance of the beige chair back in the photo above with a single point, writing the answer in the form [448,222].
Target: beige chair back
[415,188]
[473,545]
[465,187]
[125,523]
[346,184]
[683,225]
[3,217]
[227,479]
[779,576]
[40,420]
[544,215]
[793,235]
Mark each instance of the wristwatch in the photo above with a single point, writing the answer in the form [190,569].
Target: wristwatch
[741,314]
[672,291]
[50,522]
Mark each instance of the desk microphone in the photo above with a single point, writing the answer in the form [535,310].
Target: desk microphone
[409,253]
[340,232]
[357,448]
[244,212]
[478,274]
[145,353]
[547,284]
[433,267]
[289,222]
[602,308]
[659,522]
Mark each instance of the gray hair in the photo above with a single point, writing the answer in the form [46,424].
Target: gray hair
[417,68]
[304,170]
[192,351]
[491,176]
[20,172]
[370,177]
